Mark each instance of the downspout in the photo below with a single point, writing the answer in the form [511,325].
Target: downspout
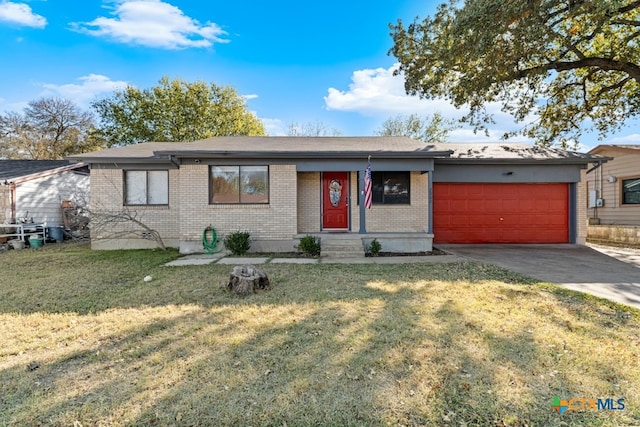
[173,161]
[598,182]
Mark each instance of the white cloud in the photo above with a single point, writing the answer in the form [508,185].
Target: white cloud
[21,14]
[378,92]
[633,138]
[274,127]
[90,87]
[249,96]
[153,23]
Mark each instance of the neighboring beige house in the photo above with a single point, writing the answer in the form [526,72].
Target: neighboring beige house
[613,195]
[282,188]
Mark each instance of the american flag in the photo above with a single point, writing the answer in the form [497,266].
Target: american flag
[367,185]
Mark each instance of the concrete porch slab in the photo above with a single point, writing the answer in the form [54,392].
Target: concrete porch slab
[242,261]
[191,260]
[346,260]
[294,261]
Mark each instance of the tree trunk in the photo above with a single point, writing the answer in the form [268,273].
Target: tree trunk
[247,279]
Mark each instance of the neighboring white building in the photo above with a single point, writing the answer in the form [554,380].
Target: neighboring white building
[36,188]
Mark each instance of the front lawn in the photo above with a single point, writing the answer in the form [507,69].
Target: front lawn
[87,342]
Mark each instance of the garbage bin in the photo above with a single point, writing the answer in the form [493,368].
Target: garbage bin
[55,233]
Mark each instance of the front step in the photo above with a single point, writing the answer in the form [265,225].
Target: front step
[342,247]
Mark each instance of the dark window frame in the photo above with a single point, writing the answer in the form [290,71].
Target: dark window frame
[239,202]
[146,171]
[623,193]
[378,194]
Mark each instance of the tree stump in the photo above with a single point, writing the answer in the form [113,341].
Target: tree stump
[247,279]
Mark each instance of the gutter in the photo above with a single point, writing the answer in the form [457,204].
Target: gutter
[520,161]
[171,157]
[306,154]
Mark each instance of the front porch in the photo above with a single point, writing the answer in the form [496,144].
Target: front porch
[348,245]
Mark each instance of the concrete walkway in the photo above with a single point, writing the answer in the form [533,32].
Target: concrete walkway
[607,272]
[223,258]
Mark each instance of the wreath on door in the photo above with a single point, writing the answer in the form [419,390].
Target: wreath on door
[335,192]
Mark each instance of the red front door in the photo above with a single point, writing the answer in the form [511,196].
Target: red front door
[335,201]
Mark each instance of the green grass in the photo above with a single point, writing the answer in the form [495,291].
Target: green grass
[85,341]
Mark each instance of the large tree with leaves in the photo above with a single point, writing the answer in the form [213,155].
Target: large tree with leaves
[175,110]
[432,129]
[570,65]
[48,128]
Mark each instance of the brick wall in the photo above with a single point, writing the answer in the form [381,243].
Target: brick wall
[308,202]
[402,218]
[380,219]
[294,207]
[107,196]
[276,220]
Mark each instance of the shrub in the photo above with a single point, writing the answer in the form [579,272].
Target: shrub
[375,247]
[309,245]
[238,242]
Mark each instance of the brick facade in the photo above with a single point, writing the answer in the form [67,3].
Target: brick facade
[410,218]
[294,208]
[107,195]
[309,202]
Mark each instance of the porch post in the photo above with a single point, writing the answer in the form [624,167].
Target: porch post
[363,227]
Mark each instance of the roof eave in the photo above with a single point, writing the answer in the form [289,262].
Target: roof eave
[572,161]
[199,154]
[612,147]
[48,172]
[126,160]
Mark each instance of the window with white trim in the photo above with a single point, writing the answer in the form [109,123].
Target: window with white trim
[146,187]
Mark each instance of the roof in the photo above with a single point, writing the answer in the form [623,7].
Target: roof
[629,148]
[12,170]
[269,146]
[332,148]
[523,153]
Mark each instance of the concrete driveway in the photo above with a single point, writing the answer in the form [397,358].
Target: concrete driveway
[610,273]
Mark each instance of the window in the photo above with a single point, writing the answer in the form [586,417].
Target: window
[390,188]
[146,187]
[631,191]
[239,184]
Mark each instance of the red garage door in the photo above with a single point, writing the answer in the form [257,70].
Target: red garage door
[500,213]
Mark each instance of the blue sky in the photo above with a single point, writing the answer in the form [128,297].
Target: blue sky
[295,62]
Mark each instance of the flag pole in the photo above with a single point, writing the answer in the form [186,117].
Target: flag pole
[361,196]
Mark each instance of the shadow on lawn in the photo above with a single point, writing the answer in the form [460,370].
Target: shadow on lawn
[375,353]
